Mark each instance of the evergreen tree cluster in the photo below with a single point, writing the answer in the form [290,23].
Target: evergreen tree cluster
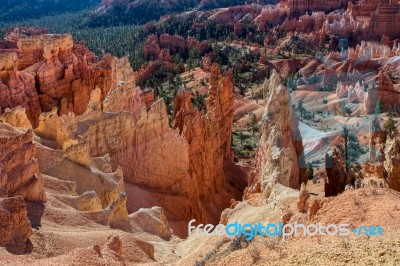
[13,10]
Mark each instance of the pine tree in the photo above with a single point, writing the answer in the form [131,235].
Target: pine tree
[300,108]
[310,171]
[254,125]
[351,149]
[379,107]
[390,127]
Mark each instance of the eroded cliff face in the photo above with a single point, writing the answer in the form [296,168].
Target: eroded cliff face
[15,226]
[124,94]
[297,7]
[337,175]
[208,135]
[48,71]
[155,47]
[21,176]
[113,118]
[17,88]
[280,154]
[391,164]
[381,168]
[385,92]
[209,138]
[22,194]
[107,144]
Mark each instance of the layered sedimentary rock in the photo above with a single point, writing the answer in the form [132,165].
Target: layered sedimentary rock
[50,71]
[17,88]
[16,32]
[86,112]
[209,135]
[124,94]
[337,177]
[385,93]
[366,20]
[353,93]
[155,140]
[385,19]
[151,48]
[150,68]
[175,44]
[152,221]
[297,7]
[280,155]
[195,173]
[96,188]
[18,162]
[373,169]
[144,145]
[363,7]
[15,228]
[158,51]
[384,153]
[392,164]
[16,117]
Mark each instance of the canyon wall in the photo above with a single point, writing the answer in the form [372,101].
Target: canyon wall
[48,71]
[81,110]
[385,93]
[362,21]
[297,7]
[19,168]
[174,44]
[15,226]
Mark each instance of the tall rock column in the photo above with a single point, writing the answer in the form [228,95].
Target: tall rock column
[392,164]
[209,135]
[220,108]
[280,154]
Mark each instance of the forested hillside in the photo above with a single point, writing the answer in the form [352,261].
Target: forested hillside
[12,10]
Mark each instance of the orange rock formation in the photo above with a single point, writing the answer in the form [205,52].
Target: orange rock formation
[280,156]
[50,71]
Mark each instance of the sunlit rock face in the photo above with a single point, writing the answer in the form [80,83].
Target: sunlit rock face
[47,71]
[385,93]
[21,176]
[392,164]
[303,6]
[280,156]
[15,226]
[117,119]
[19,170]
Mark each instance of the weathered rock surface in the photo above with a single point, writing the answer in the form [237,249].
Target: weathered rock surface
[16,117]
[15,228]
[147,97]
[124,95]
[302,201]
[18,162]
[152,221]
[141,142]
[174,44]
[17,88]
[337,177]
[392,164]
[280,154]
[51,71]
[301,6]
[386,93]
